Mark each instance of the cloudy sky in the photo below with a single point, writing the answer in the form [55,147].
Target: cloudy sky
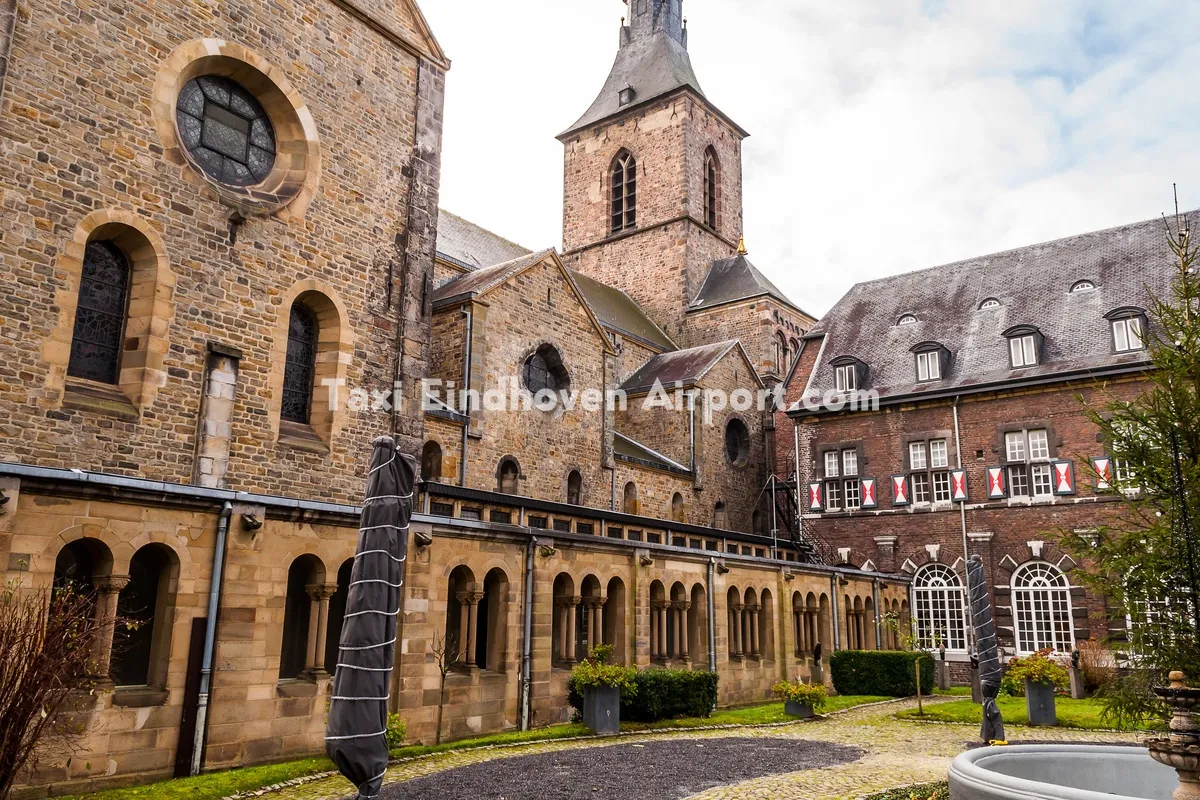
[886,135]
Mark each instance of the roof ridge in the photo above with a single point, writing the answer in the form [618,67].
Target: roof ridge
[488,231]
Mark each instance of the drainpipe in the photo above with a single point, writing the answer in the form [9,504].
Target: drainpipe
[962,513]
[692,428]
[712,622]
[466,390]
[614,488]
[210,636]
[833,611]
[527,635]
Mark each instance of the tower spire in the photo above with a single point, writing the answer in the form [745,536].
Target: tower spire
[650,17]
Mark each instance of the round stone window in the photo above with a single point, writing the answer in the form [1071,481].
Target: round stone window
[225,130]
[737,441]
[544,370]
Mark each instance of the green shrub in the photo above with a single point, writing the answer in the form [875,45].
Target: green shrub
[806,694]
[660,694]
[880,672]
[1038,668]
[397,730]
[595,671]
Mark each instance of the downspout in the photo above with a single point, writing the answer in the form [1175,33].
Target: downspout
[712,622]
[962,512]
[466,390]
[527,635]
[692,429]
[614,487]
[210,636]
[796,457]
[833,611]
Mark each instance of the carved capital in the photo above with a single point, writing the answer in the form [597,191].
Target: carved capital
[320,591]
[111,584]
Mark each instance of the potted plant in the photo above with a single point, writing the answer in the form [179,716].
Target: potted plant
[602,685]
[800,699]
[1040,677]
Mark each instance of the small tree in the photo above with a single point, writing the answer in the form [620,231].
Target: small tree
[445,655]
[47,640]
[1145,563]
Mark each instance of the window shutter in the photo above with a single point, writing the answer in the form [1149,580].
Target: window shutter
[1102,470]
[815,500]
[1064,477]
[900,491]
[868,498]
[958,485]
[997,489]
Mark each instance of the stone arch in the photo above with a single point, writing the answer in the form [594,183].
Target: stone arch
[508,475]
[564,638]
[335,351]
[292,183]
[151,307]
[712,188]
[697,623]
[297,654]
[659,602]
[720,520]
[766,624]
[460,585]
[574,493]
[733,603]
[614,619]
[491,647]
[337,614]
[629,499]
[142,653]
[678,514]
[431,461]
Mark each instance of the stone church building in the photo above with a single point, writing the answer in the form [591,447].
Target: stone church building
[215,214]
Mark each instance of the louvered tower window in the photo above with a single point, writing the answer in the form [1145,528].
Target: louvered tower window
[300,366]
[624,192]
[100,315]
[710,188]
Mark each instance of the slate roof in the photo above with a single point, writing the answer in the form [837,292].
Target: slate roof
[471,247]
[1127,264]
[732,279]
[482,280]
[683,367]
[627,449]
[618,311]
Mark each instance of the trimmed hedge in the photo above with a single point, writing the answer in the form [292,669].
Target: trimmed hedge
[662,694]
[880,672]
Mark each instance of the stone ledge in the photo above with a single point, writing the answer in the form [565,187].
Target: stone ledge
[88,396]
[139,696]
[296,687]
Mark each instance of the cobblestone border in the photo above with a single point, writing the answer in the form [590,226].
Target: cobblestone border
[320,776]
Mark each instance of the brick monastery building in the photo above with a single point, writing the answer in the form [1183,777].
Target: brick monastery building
[212,213]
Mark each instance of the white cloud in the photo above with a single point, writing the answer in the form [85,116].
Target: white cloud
[887,135]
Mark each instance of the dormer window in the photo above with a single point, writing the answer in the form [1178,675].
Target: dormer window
[907,319]
[849,374]
[990,303]
[1128,329]
[1082,286]
[625,96]
[1024,346]
[932,359]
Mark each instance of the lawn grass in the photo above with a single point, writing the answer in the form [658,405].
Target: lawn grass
[953,691]
[216,785]
[1084,714]
[924,791]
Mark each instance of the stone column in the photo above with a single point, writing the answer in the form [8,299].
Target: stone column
[755,644]
[108,591]
[327,591]
[564,612]
[653,631]
[572,603]
[314,591]
[736,629]
[684,633]
[464,623]
[469,603]
[600,622]
[663,646]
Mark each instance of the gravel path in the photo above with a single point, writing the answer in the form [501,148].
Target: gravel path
[651,770]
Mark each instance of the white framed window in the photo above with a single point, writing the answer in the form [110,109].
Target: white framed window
[846,378]
[1082,286]
[940,608]
[1023,350]
[1039,445]
[852,495]
[907,319]
[833,496]
[938,453]
[1018,482]
[1014,445]
[941,487]
[929,366]
[1028,456]
[920,487]
[1040,475]
[916,455]
[989,303]
[831,463]
[849,462]
[1124,473]
[1042,607]
[1127,334]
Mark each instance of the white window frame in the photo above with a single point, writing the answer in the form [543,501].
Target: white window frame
[941,608]
[1127,335]
[939,454]
[941,487]
[929,366]
[1043,615]
[1022,350]
[833,496]
[916,456]
[921,489]
[850,462]
[852,495]
[846,378]
[1028,463]
[831,463]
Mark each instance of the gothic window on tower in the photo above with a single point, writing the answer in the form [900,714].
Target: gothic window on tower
[710,188]
[100,315]
[624,192]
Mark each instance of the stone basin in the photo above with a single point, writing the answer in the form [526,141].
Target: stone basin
[1060,772]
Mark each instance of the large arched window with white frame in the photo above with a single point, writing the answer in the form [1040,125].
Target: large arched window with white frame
[941,608]
[1041,596]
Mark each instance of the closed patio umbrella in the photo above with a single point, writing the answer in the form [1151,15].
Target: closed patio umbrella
[355,736]
[989,656]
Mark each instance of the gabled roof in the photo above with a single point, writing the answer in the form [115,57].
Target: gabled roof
[470,246]
[732,279]
[1033,285]
[428,47]
[617,311]
[683,368]
[626,449]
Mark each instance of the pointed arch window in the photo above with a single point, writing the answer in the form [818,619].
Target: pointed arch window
[100,314]
[624,192]
[300,365]
[710,188]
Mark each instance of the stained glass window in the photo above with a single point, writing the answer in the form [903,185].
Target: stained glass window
[300,365]
[100,315]
[544,370]
[225,130]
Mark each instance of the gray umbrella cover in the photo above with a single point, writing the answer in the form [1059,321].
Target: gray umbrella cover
[355,736]
[989,655]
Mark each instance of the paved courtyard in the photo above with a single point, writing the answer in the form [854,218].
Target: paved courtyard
[846,755]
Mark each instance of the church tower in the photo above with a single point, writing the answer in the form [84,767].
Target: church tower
[653,174]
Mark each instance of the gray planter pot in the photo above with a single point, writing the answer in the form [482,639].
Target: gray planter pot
[602,709]
[1039,703]
[801,710]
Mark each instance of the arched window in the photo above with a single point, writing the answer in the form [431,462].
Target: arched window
[337,615]
[624,192]
[574,488]
[766,625]
[614,620]
[677,513]
[147,606]
[757,521]
[630,504]
[300,365]
[733,603]
[508,477]
[710,188]
[737,441]
[660,644]
[719,521]
[103,306]
[1042,606]
[697,624]
[431,461]
[565,637]
[544,369]
[781,353]
[794,349]
[299,650]
[941,608]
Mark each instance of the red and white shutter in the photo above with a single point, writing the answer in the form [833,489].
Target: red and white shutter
[1103,470]
[958,485]
[900,495]
[996,488]
[815,501]
[1063,474]
[868,493]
